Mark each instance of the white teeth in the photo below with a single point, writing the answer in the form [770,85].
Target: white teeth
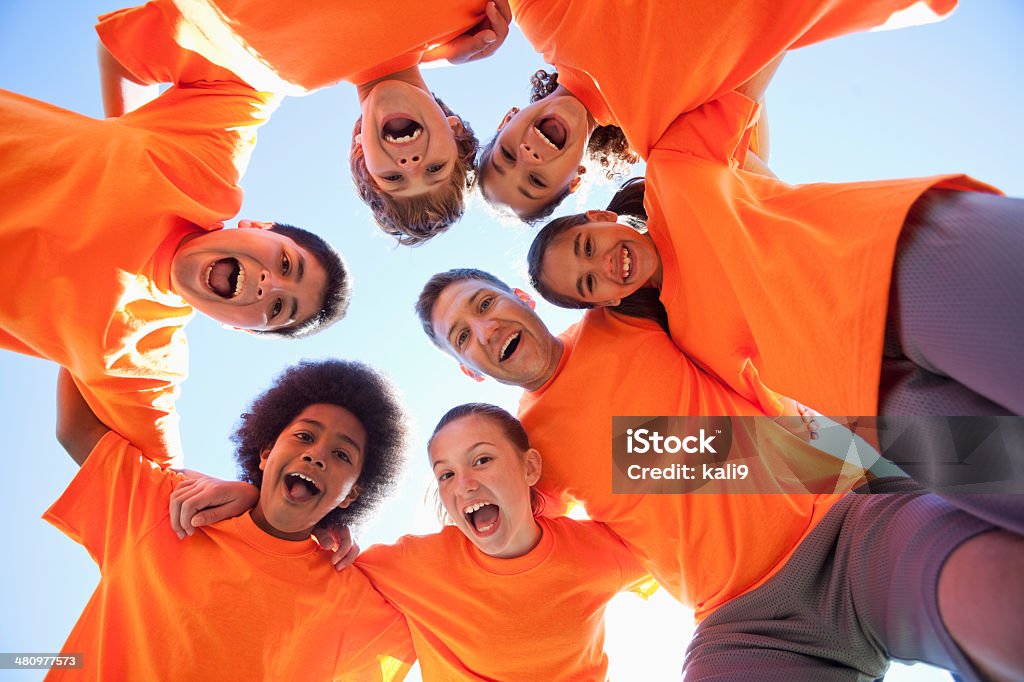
[546,140]
[208,271]
[305,478]
[508,342]
[404,138]
[474,507]
[627,263]
[240,282]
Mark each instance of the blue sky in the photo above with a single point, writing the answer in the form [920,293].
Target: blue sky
[941,98]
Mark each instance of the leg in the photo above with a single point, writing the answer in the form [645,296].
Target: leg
[981,598]
[954,307]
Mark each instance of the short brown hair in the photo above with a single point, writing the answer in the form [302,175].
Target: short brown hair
[414,220]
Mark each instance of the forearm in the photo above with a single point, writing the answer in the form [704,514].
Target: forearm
[78,429]
[121,91]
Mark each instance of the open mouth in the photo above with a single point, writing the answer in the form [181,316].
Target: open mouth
[482,517]
[625,264]
[401,130]
[509,347]
[552,131]
[301,487]
[225,278]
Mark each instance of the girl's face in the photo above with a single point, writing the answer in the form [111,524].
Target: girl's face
[600,262]
[484,483]
[536,155]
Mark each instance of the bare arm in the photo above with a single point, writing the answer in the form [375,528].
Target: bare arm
[121,91]
[78,429]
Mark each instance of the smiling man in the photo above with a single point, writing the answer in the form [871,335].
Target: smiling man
[112,236]
[820,550]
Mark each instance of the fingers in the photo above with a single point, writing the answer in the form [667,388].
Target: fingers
[326,539]
[343,561]
[479,42]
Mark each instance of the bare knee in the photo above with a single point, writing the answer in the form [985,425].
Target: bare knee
[981,599]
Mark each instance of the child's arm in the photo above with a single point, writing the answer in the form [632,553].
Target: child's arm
[806,428]
[121,91]
[78,429]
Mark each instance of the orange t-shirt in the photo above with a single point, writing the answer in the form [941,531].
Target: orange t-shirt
[539,616]
[689,52]
[296,47]
[93,212]
[767,283]
[229,603]
[704,548]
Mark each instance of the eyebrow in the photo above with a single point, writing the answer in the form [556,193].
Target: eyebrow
[469,304]
[494,162]
[341,436]
[576,252]
[295,309]
[471,448]
[301,267]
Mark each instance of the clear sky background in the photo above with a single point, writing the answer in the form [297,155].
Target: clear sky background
[940,98]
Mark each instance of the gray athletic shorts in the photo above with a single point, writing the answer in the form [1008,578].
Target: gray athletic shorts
[860,590]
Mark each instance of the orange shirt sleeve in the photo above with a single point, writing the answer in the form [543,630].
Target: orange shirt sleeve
[113,500]
[143,40]
[376,645]
[692,51]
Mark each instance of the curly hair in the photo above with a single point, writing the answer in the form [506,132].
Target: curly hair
[512,429]
[356,387]
[628,203]
[337,294]
[415,220]
[438,283]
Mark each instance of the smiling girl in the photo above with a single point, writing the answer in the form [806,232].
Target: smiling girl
[503,593]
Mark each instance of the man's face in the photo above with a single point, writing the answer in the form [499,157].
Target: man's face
[311,469]
[496,333]
[408,142]
[250,277]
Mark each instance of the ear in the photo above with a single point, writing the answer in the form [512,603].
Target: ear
[508,117]
[455,123]
[264,454]
[471,373]
[353,494]
[574,184]
[357,141]
[255,224]
[602,216]
[532,462]
[525,298]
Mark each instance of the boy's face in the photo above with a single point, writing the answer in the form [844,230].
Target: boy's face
[484,484]
[407,140]
[311,469]
[250,277]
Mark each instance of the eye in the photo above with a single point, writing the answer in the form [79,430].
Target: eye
[508,156]
[435,168]
[304,436]
[536,181]
[342,455]
[485,304]
[590,283]
[482,459]
[588,247]
[445,475]
[286,264]
[391,178]
[276,310]
[461,338]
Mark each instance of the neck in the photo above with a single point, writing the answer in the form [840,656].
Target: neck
[562,91]
[411,76]
[257,516]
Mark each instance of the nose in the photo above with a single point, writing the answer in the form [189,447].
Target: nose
[465,485]
[482,328]
[267,285]
[410,161]
[316,457]
[529,153]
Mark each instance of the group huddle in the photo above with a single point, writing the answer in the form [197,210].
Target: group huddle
[710,287]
